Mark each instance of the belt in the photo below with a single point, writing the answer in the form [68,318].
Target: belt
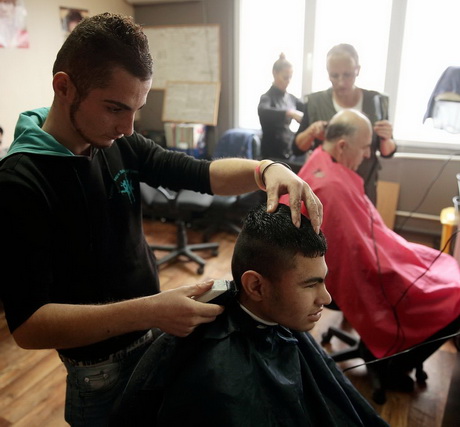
[149,336]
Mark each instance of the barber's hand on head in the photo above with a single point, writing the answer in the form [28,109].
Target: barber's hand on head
[383,129]
[280,180]
[178,314]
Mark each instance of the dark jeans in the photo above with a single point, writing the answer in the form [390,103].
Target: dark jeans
[92,390]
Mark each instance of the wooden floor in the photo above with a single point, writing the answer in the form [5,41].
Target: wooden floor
[32,383]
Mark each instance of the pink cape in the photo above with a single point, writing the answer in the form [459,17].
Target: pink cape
[378,279]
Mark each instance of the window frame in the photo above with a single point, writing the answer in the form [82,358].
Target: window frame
[392,72]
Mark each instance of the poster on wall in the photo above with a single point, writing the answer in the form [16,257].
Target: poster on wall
[70,17]
[184,53]
[13,29]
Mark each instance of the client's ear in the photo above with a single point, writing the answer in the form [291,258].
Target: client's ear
[253,285]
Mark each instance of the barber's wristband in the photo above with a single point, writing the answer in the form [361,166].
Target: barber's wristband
[258,178]
[262,177]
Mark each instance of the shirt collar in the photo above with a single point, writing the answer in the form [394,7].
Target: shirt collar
[257,318]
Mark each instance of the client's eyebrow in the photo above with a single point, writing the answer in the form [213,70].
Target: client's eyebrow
[314,280]
[318,279]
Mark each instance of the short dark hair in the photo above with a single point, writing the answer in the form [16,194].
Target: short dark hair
[99,44]
[268,243]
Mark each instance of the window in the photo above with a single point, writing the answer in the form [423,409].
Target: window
[339,22]
[262,37]
[404,46]
[430,45]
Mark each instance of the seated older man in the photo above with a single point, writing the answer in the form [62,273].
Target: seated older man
[255,365]
[396,294]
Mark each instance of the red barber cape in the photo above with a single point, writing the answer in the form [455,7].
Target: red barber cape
[378,279]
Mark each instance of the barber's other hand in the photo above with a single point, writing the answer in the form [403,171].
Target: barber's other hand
[383,129]
[176,313]
[280,180]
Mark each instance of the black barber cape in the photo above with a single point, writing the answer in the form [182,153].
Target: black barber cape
[238,372]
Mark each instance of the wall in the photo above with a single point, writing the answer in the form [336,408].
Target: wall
[219,12]
[25,79]
[421,175]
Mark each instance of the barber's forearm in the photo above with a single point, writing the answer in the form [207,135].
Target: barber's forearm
[304,140]
[233,176]
[66,325]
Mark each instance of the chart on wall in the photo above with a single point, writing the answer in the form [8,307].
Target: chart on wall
[191,102]
[184,53]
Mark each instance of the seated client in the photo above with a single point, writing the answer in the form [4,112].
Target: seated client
[396,294]
[256,364]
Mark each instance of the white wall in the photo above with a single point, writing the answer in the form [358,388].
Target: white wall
[26,74]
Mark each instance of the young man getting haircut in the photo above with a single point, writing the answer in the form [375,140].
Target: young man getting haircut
[256,364]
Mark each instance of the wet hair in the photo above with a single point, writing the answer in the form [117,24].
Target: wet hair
[344,48]
[281,63]
[268,243]
[99,44]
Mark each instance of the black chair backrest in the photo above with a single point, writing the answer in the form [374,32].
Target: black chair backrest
[238,142]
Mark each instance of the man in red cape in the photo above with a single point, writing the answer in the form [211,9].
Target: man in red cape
[394,293]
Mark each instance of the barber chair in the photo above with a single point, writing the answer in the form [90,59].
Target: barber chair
[356,350]
[378,371]
[182,207]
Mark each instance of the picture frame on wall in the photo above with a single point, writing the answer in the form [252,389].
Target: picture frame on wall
[70,17]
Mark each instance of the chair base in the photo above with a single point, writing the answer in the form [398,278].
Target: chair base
[380,372]
[184,249]
[352,352]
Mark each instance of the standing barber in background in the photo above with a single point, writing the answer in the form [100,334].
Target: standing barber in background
[77,273]
[277,108]
[343,68]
